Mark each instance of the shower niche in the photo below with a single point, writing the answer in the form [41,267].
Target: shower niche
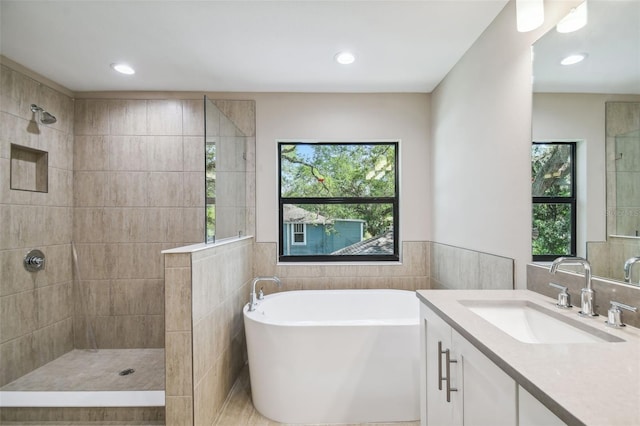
[229,168]
[29,169]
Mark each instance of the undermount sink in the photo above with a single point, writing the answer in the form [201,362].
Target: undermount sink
[531,323]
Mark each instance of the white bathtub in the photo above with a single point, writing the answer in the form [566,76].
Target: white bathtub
[335,356]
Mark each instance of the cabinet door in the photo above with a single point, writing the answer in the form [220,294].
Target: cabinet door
[531,412]
[435,337]
[488,394]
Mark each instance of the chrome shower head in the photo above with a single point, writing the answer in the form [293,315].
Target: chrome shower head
[45,117]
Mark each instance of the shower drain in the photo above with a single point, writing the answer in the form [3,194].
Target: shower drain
[127,372]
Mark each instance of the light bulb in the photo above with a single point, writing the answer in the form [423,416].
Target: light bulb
[123,68]
[573,59]
[345,58]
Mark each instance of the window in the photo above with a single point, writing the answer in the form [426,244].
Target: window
[554,200]
[338,201]
[298,233]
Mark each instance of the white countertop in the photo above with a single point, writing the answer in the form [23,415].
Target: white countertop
[582,383]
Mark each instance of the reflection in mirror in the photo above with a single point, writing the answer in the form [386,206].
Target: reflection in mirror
[569,106]
[554,200]
[623,168]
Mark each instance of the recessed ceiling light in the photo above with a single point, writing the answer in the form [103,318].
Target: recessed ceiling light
[573,59]
[123,69]
[345,58]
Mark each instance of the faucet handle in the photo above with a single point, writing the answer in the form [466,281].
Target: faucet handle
[614,316]
[564,299]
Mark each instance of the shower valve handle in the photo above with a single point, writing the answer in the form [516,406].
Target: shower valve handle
[34,261]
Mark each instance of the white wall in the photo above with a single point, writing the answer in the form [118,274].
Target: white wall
[481,134]
[580,117]
[345,117]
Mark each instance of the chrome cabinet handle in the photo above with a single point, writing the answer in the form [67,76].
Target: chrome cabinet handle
[449,361]
[440,353]
[447,378]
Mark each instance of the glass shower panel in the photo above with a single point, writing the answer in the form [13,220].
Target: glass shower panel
[225,175]
[628,183]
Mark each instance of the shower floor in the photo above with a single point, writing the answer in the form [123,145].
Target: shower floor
[81,370]
[83,378]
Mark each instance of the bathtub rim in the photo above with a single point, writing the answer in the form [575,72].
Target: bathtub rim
[258,317]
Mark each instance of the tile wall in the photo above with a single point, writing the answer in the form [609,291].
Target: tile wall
[35,308]
[206,290]
[424,265]
[464,269]
[623,168]
[607,258]
[411,275]
[138,189]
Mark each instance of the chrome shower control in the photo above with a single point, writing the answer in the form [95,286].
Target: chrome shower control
[34,261]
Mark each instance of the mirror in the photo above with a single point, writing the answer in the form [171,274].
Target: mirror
[596,103]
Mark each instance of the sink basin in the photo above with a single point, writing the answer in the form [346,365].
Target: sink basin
[531,323]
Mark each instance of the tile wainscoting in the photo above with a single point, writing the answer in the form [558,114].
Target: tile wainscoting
[206,288]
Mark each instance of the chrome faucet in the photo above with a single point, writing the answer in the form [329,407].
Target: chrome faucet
[253,299]
[628,266]
[587,295]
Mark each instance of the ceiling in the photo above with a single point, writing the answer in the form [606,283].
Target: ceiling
[245,46]
[612,41]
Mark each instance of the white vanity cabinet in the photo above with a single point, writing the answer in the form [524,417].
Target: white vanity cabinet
[496,377]
[478,392]
[531,412]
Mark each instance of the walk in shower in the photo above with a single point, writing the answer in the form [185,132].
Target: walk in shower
[623,168]
[118,181]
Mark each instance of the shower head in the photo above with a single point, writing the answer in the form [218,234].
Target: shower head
[45,117]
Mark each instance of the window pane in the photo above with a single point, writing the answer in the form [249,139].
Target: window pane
[551,229]
[337,170]
[551,170]
[340,229]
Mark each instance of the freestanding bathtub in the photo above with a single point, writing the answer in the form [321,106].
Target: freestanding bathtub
[335,356]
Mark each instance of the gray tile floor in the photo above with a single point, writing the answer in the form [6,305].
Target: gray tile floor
[81,370]
[239,411]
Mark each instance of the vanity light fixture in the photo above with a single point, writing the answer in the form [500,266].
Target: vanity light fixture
[123,68]
[573,59]
[575,20]
[345,58]
[529,14]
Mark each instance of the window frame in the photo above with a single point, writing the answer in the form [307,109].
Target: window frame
[571,201]
[393,200]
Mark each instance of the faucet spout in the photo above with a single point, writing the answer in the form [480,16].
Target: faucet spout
[253,300]
[628,266]
[587,295]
